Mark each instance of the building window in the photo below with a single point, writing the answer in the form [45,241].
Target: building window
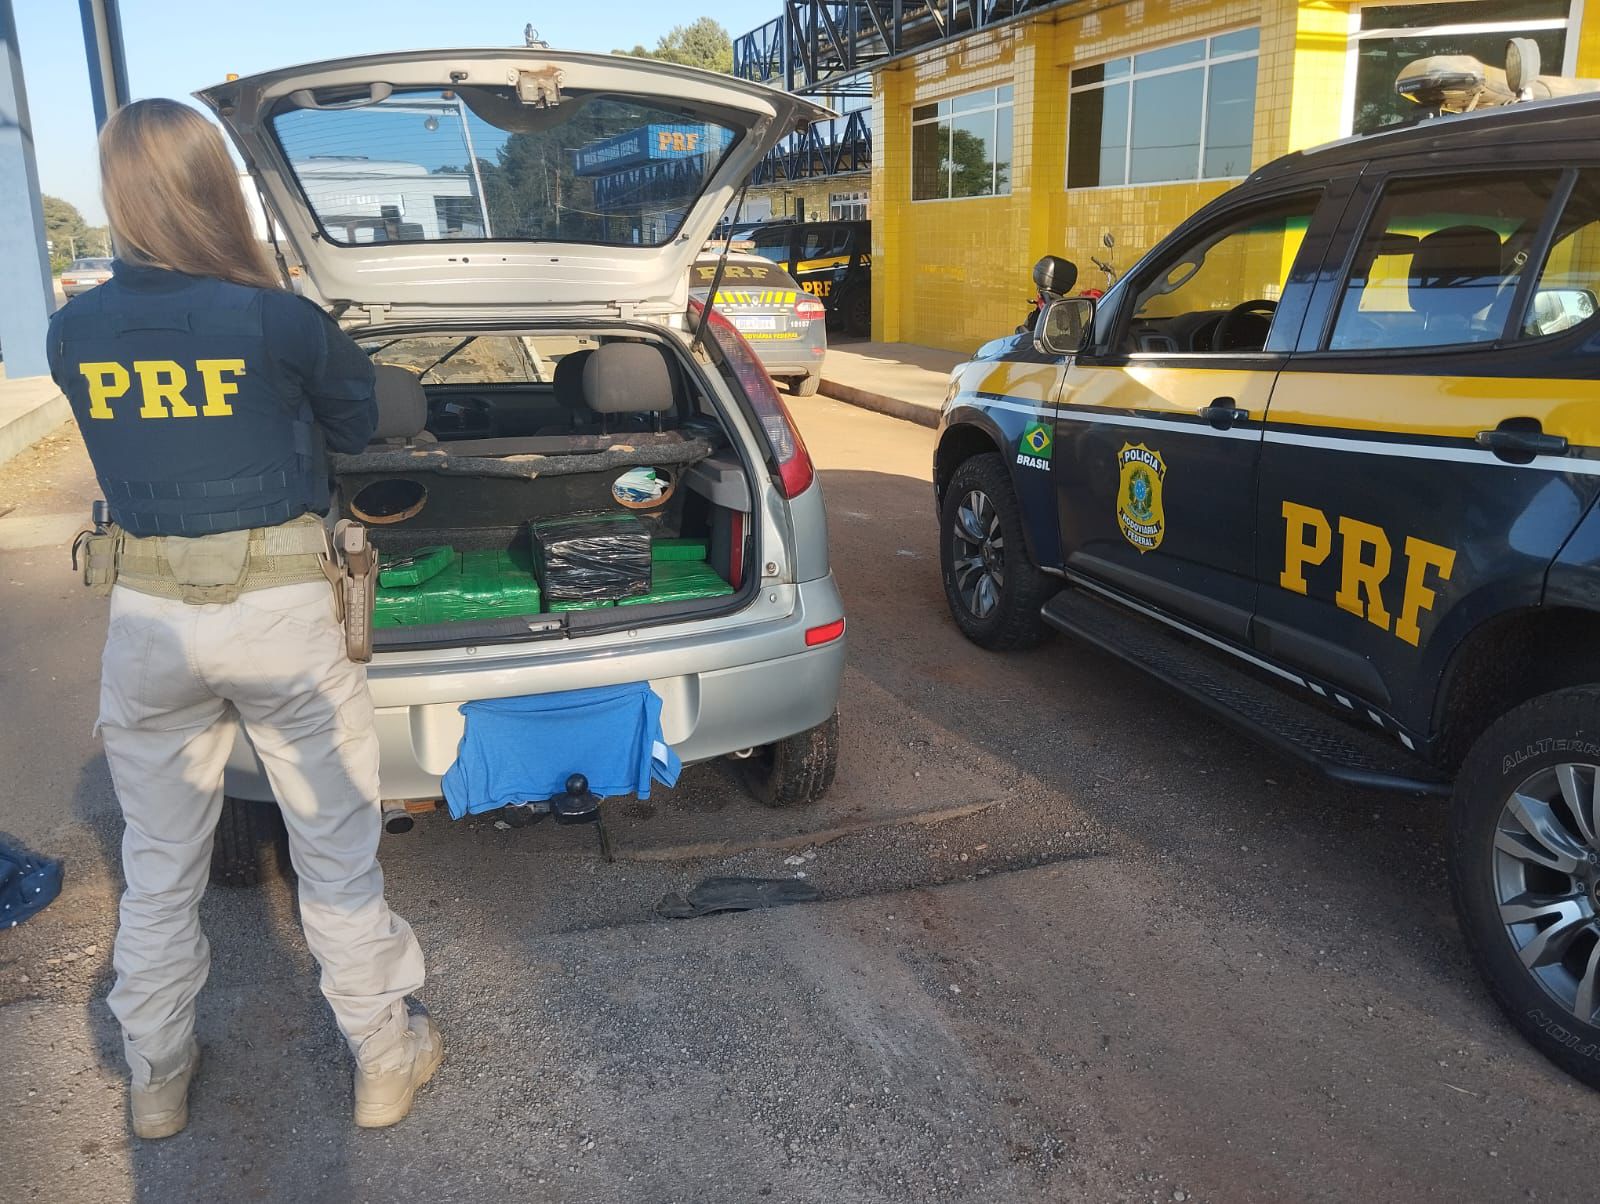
[1392,35]
[1184,112]
[847,206]
[961,147]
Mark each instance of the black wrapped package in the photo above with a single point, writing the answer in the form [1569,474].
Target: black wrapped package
[592,557]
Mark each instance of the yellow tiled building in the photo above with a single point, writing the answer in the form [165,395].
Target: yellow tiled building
[1046,133]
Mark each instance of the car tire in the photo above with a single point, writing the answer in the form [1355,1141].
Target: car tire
[1004,615]
[858,314]
[251,845]
[798,770]
[805,386]
[1512,834]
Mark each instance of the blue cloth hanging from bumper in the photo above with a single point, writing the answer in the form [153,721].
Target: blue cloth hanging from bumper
[522,750]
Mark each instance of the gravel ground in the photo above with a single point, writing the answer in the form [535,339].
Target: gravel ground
[1076,942]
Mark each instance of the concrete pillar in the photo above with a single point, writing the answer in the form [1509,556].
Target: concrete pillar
[28,298]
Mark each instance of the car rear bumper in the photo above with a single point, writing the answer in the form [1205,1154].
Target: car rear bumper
[721,692]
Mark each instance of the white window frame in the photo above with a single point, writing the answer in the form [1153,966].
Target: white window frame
[1572,24]
[1203,65]
[993,107]
[853,201]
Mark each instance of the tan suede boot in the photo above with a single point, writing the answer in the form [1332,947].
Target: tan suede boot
[384,1098]
[164,1110]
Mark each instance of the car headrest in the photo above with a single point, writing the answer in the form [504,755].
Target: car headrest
[627,378]
[402,405]
[1456,270]
[567,381]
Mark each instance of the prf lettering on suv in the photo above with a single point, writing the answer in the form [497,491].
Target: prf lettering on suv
[1326,460]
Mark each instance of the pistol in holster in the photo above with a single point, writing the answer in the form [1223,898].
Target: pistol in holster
[94,552]
[352,570]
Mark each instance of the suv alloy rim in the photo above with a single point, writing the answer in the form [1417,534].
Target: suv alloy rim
[1547,883]
[978,554]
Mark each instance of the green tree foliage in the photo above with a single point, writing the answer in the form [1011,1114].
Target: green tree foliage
[64,227]
[702,43]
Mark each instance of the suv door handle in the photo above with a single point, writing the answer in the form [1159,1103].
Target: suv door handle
[1223,413]
[1519,444]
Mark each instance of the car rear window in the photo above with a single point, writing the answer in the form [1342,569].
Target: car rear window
[475,163]
[478,359]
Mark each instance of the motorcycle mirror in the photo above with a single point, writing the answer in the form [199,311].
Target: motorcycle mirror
[1107,241]
[1052,274]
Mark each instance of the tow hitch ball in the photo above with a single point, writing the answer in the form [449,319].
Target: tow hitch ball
[578,805]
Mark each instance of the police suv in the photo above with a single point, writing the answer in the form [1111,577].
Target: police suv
[1326,460]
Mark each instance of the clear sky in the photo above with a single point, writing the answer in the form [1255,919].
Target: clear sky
[175,47]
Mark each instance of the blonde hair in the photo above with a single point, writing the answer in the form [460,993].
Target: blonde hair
[172,195]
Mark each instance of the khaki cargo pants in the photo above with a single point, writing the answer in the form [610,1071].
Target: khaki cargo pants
[177,679]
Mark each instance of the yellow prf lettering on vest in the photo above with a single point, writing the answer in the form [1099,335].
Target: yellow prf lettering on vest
[106,381]
[1307,540]
[218,390]
[162,382]
[1365,563]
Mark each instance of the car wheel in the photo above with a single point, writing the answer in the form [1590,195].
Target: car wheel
[858,314]
[994,591]
[251,844]
[798,770]
[805,386]
[1524,857]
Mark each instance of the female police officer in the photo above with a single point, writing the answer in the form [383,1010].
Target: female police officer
[205,394]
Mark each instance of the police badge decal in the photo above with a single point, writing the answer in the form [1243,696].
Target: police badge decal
[1139,511]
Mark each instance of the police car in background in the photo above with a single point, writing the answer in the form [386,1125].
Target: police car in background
[1327,460]
[831,260]
[785,325]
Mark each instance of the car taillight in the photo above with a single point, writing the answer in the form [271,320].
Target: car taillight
[825,634]
[795,471]
[809,309]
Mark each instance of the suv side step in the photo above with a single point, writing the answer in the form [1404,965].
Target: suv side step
[1269,715]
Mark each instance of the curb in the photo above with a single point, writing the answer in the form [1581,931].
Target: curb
[25,426]
[894,407]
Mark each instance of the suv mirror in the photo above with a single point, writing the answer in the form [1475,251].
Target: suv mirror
[1054,275]
[1065,326]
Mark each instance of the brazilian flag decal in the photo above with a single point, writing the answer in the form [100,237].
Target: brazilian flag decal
[1036,441]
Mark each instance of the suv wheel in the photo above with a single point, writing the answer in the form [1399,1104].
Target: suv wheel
[805,386]
[797,770]
[994,591]
[251,844]
[1524,859]
[858,313]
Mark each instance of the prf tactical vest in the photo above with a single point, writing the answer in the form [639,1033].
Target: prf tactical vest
[189,418]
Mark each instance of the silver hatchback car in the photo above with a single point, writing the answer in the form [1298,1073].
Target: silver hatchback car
[510,234]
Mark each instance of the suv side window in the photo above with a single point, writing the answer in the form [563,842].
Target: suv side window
[771,244]
[1218,293]
[1439,262]
[1565,294]
[822,242]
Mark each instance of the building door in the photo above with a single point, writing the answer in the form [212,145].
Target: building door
[1158,438]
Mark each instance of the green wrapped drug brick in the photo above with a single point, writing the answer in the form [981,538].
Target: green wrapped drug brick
[678,549]
[557,608]
[478,584]
[415,568]
[682,581]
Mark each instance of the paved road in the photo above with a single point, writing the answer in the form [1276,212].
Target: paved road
[1078,943]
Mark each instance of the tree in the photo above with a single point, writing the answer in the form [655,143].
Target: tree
[702,43]
[63,225]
